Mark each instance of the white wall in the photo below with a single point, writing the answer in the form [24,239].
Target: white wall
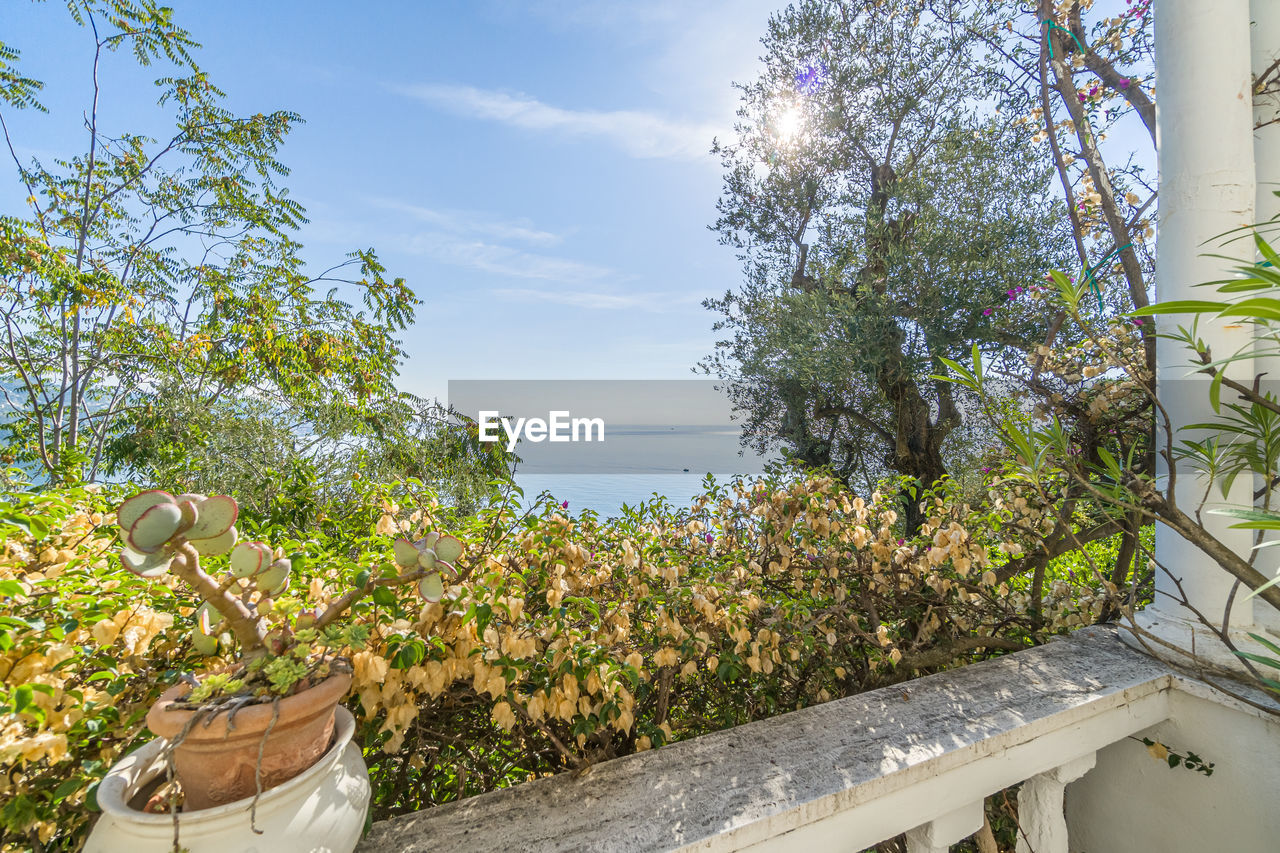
[1132,803]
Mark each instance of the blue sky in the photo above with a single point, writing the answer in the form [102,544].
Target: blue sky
[537,171]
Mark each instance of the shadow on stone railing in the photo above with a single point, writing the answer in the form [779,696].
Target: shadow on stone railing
[916,758]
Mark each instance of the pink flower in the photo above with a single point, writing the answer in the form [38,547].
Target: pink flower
[564,505]
[1125,83]
[986,312]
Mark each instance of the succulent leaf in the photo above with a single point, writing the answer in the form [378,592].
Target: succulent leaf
[427,559]
[217,545]
[145,565]
[249,558]
[431,588]
[307,618]
[155,527]
[273,576]
[204,643]
[131,510]
[428,541]
[215,517]
[447,569]
[189,513]
[207,618]
[406,553]
[193,497]
[448,548]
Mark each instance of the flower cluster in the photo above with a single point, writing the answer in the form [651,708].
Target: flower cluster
[550,642]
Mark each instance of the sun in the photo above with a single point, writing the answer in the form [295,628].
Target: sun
[788,124]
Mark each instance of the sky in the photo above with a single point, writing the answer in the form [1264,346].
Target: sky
[538,171]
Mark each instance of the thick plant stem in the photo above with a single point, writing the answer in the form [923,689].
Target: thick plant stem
[343,604]
[247,628]
[1193,532]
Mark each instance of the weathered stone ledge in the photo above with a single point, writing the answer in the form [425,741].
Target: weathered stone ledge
[843,775]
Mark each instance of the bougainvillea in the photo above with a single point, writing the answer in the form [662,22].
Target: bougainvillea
[556,640]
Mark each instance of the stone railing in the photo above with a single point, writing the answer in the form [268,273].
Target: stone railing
[918,758]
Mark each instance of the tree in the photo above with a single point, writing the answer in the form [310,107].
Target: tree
[1074,75]
[887,219]
[292,472]
[152,272]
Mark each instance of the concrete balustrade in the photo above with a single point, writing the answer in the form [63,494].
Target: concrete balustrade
[917,758]
[939,834]
[1042,825]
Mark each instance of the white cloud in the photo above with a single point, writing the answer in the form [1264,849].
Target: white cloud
[639,134]
[692,51]
[639,301]
[471,222]
[502,260]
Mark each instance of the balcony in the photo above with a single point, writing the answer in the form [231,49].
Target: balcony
[917,759]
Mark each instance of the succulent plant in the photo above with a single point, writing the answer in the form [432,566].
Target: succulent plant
[203,636]
[166,533]
[155,524]
[435,554]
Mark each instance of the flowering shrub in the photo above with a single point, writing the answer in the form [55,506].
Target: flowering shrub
[572,641]
[85,648]
[556,642]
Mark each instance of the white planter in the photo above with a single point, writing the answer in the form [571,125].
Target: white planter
[323,809]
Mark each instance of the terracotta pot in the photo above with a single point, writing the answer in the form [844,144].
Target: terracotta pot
[321,809]
[216,765]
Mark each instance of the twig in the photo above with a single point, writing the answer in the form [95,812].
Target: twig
[257,770]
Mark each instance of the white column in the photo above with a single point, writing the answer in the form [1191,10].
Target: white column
[1042,826]
[939,834]
[1204,130]
[1265,41]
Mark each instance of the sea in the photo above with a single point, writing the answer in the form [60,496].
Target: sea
[606,494]
[634,464]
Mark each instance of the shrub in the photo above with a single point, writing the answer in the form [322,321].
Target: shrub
[562,641]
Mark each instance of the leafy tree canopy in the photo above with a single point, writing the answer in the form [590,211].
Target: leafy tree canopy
[155,282]
[158,319]
[887,216]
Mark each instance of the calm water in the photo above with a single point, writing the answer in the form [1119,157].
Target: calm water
[606,493]
[632,464]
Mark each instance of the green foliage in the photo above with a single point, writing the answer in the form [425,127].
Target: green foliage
[1190,761]
[668,622]
[1096,445]
[155,287]
[215,684]
[298,471]
[887,221]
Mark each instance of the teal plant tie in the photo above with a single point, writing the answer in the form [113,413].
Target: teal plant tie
[1055,25]
[1092,281]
